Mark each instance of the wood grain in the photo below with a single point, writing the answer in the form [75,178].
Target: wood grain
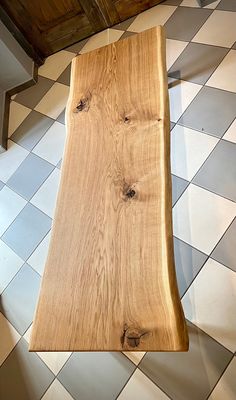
[109,282]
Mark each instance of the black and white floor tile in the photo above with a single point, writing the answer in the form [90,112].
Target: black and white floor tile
[201,59]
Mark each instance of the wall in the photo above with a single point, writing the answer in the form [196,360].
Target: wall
[16,69]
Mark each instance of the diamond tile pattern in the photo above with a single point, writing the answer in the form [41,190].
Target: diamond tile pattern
[188,262]
[189,149]
[185,22]
[29,176]
[178,187]
[27,231]
[212,33]
[225,250]
[202,230]
[108,380]
[223,77]
[208,113]
[203,303]
[31,96]
[201,44]
[19,298]
[31,376]
[197,370]
[32,130]
[197,62]
[219,171]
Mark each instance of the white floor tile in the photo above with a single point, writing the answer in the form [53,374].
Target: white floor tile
[154,16]
[226,387]
[11,159]
[51,145]
[181,94]
[57,392]
[45,197]
[9,338]
[56,64]
[218,30]
[54,101]
[173,50]
[189,149]
[230,134]
[10,264]
[140,387]
[10,206]
[38,259]
[200,218]
[210,303]
[17,114]
[54,360]
[195,3]
[135,356]
[224,76]
[101,39]
[27,334]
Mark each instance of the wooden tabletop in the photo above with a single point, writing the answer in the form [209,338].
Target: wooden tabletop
[109,282]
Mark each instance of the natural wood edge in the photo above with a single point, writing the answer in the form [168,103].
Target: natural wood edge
[182,343]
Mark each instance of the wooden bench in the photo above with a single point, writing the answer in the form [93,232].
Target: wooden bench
[109,282]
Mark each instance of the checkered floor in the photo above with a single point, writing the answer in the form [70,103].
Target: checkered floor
[201,59]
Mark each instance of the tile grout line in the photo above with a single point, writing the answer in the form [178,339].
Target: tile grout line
[55,375]
[208,255]
[137,368]
[221,375]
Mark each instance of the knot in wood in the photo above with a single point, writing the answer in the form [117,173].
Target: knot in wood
[126,120]
[132,336]
[130,193]
[83,104]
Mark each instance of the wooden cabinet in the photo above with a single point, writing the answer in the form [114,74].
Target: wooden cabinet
[51,25]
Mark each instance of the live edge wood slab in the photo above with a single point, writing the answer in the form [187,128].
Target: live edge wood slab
[109,282]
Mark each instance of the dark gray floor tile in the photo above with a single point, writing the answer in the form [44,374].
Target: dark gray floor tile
[218,173]
[23,376]
[75,48]
[197,62]
[172,124]
[225,251]
[234,46]
[125,24]
[32,96]
[1,185]
[30,175]
[188,262]
[27,231]
[190,375]
[204,3]
[208,112]
[61,117]
[172,2]
[178,187]
[127,34]
[32,129]
[185,22]
[99,376]
[18,300]
[64,78]
[227,5]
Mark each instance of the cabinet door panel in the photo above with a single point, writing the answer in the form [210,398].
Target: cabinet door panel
[51,25]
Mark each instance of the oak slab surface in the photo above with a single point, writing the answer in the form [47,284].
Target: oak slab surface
[109,282]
